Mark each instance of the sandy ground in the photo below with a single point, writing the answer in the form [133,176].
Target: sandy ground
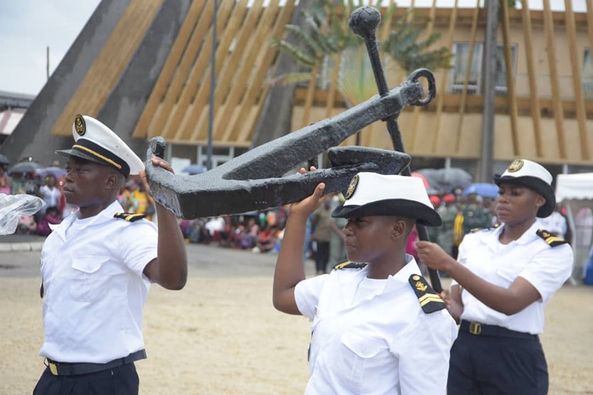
[220,335]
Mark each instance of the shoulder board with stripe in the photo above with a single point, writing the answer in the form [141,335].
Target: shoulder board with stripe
[129,217]
[550,238]
[349,265]
[475,230]
[429,300]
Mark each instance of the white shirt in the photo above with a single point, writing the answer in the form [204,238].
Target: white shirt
[382,343]
[51,196]
[529,257]
[94,287]
[554,223]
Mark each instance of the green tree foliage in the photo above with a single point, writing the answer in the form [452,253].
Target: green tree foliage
[326,32]
[407,48]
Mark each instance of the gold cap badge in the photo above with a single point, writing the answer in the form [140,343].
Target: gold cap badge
[79,125]
[352,187]
[515,166]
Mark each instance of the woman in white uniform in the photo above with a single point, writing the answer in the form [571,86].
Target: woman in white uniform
[502,281]
[377,326]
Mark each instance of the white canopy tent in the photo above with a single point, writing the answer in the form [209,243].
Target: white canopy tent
[575,192]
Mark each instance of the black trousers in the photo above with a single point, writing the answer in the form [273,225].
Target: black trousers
[322,256]
[488,365]
[122,380]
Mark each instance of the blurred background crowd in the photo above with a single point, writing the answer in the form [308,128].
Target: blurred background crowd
[462,205]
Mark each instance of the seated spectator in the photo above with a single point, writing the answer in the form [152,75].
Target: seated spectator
[185,226]
[215,227]
[27,225]
[4,180]
[51,216]
[198,232]
[266,239]
[248,237]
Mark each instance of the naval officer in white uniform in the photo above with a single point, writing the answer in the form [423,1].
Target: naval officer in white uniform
[503,279]
[96,269]
[377,326]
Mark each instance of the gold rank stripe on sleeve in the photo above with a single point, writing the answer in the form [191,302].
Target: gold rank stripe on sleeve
[129,217]
[428,299]
[550,238]
[349,265]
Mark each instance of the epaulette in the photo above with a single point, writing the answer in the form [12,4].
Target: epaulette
[129,216]
[349,265]
[474,230]
[550,238]
[429,300]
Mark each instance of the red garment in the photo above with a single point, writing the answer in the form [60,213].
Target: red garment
[43,228]
[411,243]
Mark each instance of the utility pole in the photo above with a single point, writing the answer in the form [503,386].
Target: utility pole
[47,62]
[489,91]
[212,88]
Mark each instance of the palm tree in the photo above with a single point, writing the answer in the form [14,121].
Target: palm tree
[326,33]
[405,46]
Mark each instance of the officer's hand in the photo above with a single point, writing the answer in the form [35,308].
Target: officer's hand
[160,162]
[309,204]
[157,162]
[433,256]
[453,307]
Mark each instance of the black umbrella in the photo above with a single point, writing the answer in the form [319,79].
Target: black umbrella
[56,172]
[4,160]
[446,180]
[24,167]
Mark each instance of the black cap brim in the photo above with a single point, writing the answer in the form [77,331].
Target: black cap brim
[535,184]
[81,155]
[392,207]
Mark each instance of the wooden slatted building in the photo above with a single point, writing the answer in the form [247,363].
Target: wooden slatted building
[143,67]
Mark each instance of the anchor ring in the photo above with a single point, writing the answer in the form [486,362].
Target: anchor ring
[432,89]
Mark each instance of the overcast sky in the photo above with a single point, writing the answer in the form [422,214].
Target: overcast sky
[27,27]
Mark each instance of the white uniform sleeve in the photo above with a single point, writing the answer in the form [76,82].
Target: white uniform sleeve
[139,245]
[424,352]
[461,257]
[549,269]
[306,295]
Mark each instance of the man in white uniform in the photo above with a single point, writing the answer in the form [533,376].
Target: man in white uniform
[96,269]
[377,326]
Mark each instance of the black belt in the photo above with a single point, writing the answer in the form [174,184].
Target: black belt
[477,329]
[73,369]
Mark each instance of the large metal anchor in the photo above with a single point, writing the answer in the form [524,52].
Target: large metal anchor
[257,179]
[364,22]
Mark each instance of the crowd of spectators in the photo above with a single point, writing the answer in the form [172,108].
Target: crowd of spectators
[262,232]
[49,187]
[32,183]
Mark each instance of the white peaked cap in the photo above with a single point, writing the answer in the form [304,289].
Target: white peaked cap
[533,176]
[95,142]
[373,194]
